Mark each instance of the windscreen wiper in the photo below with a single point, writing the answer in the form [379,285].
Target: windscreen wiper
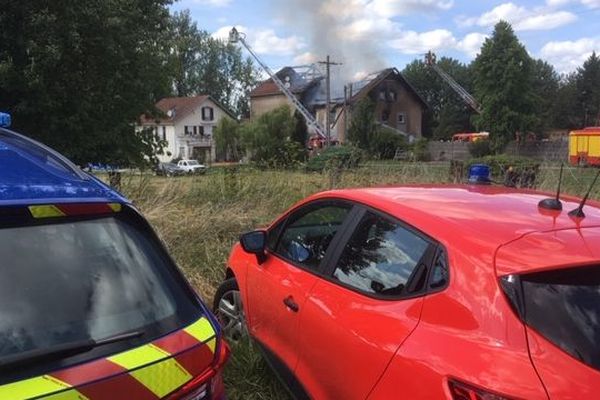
[63,350]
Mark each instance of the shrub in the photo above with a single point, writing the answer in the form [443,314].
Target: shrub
[385,142]
[480,148]
[420,150]
[337,157]
[510,170]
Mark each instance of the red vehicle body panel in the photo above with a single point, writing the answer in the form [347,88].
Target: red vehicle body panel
[347,345]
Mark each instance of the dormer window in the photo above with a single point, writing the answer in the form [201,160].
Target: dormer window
[208,114]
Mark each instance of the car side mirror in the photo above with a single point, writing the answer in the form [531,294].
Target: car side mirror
[255,242]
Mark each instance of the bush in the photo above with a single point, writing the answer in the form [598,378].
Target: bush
[511,171]
[337,157]
[480,148]
[420,150]
[385,142]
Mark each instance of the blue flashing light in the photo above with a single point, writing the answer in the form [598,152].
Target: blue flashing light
[5,120]
[479,174]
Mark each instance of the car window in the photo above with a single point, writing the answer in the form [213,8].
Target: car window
[380,257]
[79,280]
[439,274]
[308,234]
[571,298]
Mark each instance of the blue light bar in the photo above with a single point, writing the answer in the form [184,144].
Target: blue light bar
[479,174]
[4,120]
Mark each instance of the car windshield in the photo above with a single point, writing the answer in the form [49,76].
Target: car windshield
[87,279]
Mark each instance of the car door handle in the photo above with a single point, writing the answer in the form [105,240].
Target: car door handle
[291,304]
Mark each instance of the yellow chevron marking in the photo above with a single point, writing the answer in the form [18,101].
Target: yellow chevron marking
[45,211]
[39,386]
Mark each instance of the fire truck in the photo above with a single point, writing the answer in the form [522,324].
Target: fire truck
[584,147]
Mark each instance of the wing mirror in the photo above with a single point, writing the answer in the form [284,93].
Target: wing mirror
[255,242]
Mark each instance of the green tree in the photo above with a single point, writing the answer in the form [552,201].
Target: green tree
[202,64]
[362,124]
[545,85]
[567,114]
[503,85]
[447,113]
[588,88]
[77,74]
[227,140]
[268,139]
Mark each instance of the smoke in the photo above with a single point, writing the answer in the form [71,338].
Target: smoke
[342,29]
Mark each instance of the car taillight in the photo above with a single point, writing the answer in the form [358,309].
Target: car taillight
[209,385]
[462,391]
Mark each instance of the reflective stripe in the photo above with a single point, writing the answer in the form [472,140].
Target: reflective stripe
[116,207]
[161,377]
[46,211]
[202,330]
[39,386]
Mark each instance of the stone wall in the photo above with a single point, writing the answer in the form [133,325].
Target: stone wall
[444,151]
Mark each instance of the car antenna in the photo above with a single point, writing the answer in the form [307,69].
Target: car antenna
[578,212]
[554,204]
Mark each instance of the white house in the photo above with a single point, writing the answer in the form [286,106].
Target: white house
[187,126]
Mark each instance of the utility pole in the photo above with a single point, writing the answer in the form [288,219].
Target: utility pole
[328,64]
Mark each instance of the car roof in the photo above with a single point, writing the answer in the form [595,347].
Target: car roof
[32,173]
[491,215]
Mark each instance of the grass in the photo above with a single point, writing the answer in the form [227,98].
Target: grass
[200,218]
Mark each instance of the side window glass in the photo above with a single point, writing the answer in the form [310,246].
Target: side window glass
[380,257]
[273,235]
[439,274]
[307,236]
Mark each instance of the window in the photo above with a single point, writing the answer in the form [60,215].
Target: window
[439,274]
[80,280]
[195,130]
[381,257]
[186,130]
[207,114]
[393,96]
[182,152]
[571,298]
[308,234]
[164,133]
[382,94]
[201,130]
[385,116]
[401,118]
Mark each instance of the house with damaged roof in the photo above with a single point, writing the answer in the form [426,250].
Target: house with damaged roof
[397,104]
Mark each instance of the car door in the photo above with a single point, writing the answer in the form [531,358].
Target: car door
[277,289]
[367,304]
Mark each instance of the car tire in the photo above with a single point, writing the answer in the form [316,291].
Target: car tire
[229,310]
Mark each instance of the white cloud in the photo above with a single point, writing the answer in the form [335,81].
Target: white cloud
[588,3]
[404,7]
[305,58]
[471,44]
[411,42]
[569,54]
[266,41]
[522,18]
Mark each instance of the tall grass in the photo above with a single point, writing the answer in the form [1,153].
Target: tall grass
[200,218]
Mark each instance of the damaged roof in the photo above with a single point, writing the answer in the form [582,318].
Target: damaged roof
[174,109]
[298,83]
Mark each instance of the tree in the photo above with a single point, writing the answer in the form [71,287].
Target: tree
[566,111]
[77,74]
[227,140]
[503,85]
[202,64]
[362,124]
[545,86]
[588,88]
[447,113]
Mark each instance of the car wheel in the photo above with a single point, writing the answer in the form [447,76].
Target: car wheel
[229,310]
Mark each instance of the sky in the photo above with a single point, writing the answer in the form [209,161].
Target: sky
[369,35]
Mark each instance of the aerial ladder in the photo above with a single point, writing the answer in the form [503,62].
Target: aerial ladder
[239,37]
[431,61]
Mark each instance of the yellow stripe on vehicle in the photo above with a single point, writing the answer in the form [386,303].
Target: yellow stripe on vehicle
[44,385]
[201,330]
[116,207]
[163,376]
[45,211]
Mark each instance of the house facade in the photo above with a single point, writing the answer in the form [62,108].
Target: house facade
[397,104]
[186,125]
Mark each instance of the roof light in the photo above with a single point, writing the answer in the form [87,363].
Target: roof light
[5,120]
[479,174]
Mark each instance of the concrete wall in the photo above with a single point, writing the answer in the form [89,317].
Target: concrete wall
[543,151]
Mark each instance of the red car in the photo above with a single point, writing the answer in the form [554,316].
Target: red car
[429,292]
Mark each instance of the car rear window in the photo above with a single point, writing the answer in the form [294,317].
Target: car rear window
[86,279]
[564,307]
